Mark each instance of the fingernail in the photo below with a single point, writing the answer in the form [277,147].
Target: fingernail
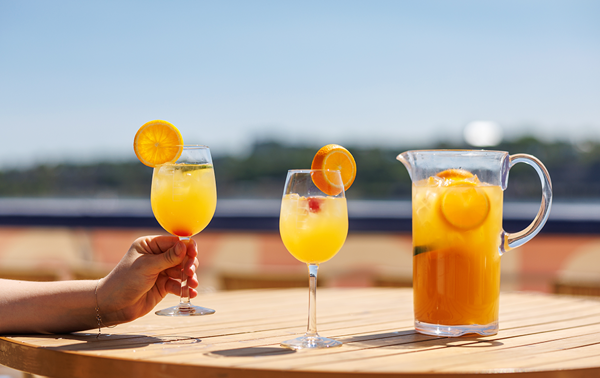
[179,248]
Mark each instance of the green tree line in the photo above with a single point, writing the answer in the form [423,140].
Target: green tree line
[574,169]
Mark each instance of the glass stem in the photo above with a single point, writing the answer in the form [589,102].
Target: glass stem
[184,299]
[312,300]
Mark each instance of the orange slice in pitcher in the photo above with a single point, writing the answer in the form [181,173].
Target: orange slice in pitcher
[157,142]
[465,207]
[454,177]
[334,157]
[455,174]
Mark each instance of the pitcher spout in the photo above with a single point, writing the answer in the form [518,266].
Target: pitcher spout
[405,159]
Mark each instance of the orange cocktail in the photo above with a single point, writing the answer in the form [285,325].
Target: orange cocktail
[313,229]
[457,223]
[183,194]
[184,197]
[313,224]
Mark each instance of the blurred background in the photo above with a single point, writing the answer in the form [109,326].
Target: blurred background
[265,84]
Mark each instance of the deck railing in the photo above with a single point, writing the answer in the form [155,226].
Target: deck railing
[263,214]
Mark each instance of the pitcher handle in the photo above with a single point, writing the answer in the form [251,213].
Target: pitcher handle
[517,239]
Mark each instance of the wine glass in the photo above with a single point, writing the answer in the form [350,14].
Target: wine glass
[184,198]
[313,226]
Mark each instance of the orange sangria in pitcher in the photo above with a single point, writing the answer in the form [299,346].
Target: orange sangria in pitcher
[458,240]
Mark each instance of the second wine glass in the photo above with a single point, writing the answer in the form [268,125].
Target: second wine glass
[313,226]
[184,199]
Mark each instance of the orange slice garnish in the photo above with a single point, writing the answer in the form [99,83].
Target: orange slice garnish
[465,207]
[157,142]
[333,157]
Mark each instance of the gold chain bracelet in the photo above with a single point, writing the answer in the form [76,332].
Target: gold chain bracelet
[98,317]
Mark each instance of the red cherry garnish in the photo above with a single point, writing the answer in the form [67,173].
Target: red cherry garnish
[314,204]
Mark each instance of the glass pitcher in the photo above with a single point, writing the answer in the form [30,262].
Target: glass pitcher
[458,238]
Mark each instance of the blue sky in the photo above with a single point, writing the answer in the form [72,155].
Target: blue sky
[77,79]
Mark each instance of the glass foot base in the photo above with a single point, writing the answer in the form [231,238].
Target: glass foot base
[310,342]
[456,330]
[185,310]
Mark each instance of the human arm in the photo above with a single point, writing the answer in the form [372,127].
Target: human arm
[144,276]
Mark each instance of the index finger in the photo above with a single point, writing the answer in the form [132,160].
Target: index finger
[192,249]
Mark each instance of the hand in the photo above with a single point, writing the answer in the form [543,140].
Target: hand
[145,275]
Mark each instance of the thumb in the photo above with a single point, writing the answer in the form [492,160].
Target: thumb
[172,257]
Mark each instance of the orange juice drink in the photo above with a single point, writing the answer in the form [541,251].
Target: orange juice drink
[457,223]
[184,197]
[313,229]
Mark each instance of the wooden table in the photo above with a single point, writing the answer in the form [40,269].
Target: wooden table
[540,336]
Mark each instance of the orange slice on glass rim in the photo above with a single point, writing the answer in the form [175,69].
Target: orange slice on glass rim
[157,142]
[333,157]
